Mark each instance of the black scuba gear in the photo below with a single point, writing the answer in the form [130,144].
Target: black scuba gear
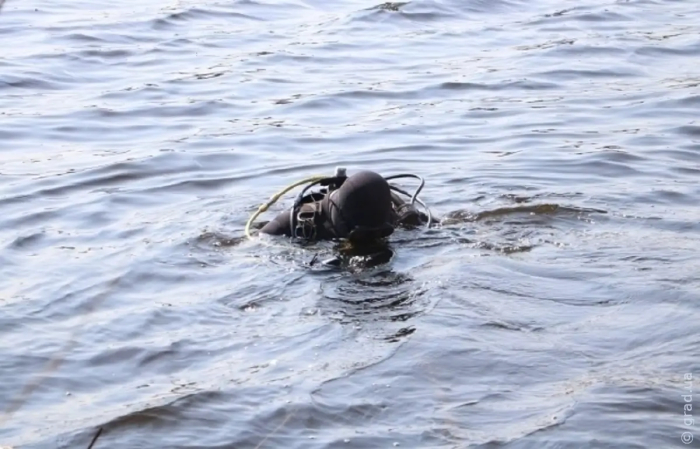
[360,208]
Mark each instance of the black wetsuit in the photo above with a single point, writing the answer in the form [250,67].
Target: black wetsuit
[363,208]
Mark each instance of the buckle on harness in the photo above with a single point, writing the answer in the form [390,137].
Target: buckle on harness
[305,226]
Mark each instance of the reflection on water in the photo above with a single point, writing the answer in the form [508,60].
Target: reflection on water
[381,295]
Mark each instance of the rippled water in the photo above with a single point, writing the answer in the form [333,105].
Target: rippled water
[556,306]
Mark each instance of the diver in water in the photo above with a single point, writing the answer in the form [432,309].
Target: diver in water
[361,209]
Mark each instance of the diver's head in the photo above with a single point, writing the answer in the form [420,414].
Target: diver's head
[361,209]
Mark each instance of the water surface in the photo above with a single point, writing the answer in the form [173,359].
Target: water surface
[556,306]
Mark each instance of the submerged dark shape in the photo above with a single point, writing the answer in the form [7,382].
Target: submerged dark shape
[390,6]
[361,209]
[359,256]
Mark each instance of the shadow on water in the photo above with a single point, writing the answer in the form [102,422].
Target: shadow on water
[378,298]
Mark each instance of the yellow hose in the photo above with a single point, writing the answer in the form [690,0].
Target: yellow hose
[274,198]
